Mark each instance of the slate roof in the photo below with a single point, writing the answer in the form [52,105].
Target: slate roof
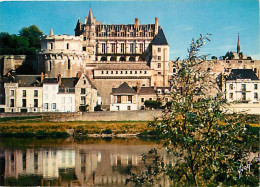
[50,81]
[123,89]
[242,74]
[160,38]
[28,80]
[147,91]
[68,82]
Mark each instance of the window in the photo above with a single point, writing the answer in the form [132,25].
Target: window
[102,72]
[159,73]
[84,38]
[51,46]
[255,95]
[84,49]
[159,65]
[128,107]
[106,72]
[141,48]
[11,102]
[82,100]
[150,98]
[142,100]
[84,82]
[118,99]
[255,86]
[35,102]
[68,64]
[243,96]
[35,93]
[83,91]
[116,72]
[135,72]
[24,93]
[159,57]
[131,47]
[243,87]
[63,100]
[70,100]
[131,72]
[23,102]
[113,47]
[12,93]
[54,106]
[159,49]
[111,72]
[68,46]
[231,86]
[46,96]
[130,98]
[103,47]
[144,72]
[46,106]
[122,48]
[230,95]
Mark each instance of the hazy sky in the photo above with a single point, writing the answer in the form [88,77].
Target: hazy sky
[181,20]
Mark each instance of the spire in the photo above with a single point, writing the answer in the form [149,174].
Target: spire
[90,19]
[238,45]
[78,26]
[51,32]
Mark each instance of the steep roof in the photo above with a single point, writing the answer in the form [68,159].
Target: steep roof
[147,91]
[28,80]
[160,38]
[68,82]
[242,74]
[50,81]
[90,19]
[123,89]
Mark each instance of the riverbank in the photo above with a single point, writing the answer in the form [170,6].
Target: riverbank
[36,126]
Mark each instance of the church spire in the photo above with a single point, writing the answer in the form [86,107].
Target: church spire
[238,45]
[51,32]
[90,19]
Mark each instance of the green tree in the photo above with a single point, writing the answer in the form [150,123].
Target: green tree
[152,104]
[208,145]
[214,58]
[229,55]
[33,34]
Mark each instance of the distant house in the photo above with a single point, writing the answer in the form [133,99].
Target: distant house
[242,85]
[145,93]
[23,93]
[123,98]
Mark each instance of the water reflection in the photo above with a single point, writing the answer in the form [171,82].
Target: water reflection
[73,164]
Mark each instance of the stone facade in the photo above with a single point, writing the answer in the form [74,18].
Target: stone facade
[113,54]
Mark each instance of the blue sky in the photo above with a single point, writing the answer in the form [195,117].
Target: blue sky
[181,20]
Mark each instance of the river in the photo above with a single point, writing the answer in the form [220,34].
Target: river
[60,162]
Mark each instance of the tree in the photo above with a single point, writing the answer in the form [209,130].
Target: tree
[152,104]
[229,55]
[214,58]
[33,34]
[208,144]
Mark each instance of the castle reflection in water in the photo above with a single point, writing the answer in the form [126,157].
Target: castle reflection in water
[75,165]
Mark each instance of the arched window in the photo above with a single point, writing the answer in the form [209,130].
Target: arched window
[103,58]
[122,58]
[113,58]
[68,45]
[68,64]
[132,58]
[174,70]
[49,67]
[141,59]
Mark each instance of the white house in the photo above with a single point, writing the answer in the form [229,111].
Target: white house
[123,98]
[242,85]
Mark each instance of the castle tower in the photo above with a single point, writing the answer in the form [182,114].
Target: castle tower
[89,35]
[238,45]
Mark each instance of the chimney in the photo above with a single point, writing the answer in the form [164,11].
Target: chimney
[155,87]
[156,26]
[137,87]
[79,74]
[42,76]
[59,79]
[136,22]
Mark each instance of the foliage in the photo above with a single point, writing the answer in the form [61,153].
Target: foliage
[229,56]
[214,58]
[107,131]
[26,43]
[208,146]
[152,104]
[249,58]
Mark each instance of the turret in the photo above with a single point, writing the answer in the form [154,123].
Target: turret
[238,45]
[90,20]
[51,32]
